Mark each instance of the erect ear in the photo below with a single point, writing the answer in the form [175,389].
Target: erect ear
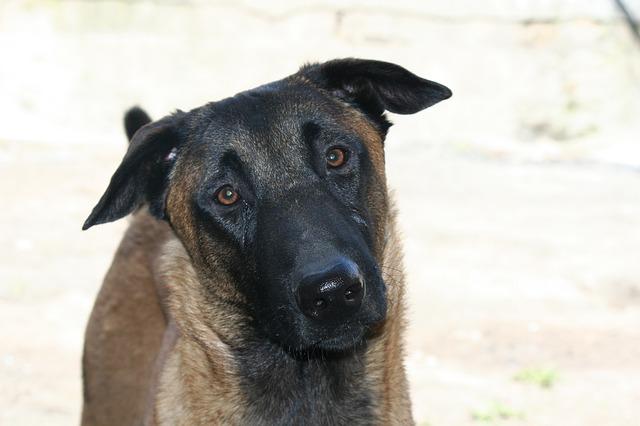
[143,175]
[377,86]
[134,119]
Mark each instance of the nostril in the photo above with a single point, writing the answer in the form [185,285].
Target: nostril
[320,303]
[352,292]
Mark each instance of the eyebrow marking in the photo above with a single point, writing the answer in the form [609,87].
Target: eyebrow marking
[310,132]
[310,135]
[231,160]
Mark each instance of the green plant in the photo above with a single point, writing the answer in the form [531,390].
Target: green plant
[543,377]
[496,411]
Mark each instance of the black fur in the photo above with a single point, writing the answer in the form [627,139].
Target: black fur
[376,86]
[134,119]
[311,388]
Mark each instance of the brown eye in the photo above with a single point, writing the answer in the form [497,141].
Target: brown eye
[336,157]
[227,195]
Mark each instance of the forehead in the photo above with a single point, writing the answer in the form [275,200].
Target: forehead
[271,131]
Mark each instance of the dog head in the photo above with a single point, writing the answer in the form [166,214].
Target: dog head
[281,188]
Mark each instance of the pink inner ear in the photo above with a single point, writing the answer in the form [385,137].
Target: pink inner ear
[171,155]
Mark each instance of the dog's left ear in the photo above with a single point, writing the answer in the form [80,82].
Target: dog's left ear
[376,86]
[143,175]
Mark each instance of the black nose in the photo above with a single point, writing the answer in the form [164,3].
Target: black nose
[333,294]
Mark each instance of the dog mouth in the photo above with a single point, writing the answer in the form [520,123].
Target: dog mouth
[344,338]
[329,347]
[304,341]
[348,337]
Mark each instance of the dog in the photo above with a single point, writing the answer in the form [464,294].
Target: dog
[260,281]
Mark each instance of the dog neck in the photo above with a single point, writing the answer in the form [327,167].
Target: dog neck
[204,379]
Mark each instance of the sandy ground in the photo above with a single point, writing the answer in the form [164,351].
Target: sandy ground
[511,266]
[519,200]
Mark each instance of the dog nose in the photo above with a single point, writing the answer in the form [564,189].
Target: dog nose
[332,295]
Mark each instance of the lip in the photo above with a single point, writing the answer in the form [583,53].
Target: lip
[346,338]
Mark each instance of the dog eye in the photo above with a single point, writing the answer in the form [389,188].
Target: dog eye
[336,157]
[227,195]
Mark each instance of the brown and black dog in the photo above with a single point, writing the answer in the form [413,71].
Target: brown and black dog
[260,281]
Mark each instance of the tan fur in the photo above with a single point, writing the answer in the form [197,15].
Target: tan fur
[141,371]
[125,330]
[198,384]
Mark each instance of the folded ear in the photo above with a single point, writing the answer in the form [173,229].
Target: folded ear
[377,86]
[143,175]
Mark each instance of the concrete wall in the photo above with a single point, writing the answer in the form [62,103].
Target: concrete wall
[562,74]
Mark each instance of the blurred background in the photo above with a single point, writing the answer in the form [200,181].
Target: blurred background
[519,197]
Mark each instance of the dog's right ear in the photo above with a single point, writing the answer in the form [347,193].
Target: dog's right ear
[143,175]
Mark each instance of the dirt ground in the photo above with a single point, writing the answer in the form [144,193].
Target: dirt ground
[520,207]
